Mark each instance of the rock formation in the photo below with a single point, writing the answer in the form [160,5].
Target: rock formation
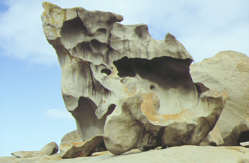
[131,93]
[228,72]
[118,81]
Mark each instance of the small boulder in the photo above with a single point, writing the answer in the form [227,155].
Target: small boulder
[81,149]
[71,137]
[49,149]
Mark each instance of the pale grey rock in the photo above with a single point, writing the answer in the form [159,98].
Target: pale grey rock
[81,149]
[108,66]
[49,149]
[26,154]
[139,124]
[92,48]
[228,72]
[71,137]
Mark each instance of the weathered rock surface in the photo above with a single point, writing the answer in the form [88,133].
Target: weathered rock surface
[49,149]
[108,66]
[181,154]
[26,154]
[93,51]
[81,149]
[139,123]
[228,72]
[71,137]
[213,138]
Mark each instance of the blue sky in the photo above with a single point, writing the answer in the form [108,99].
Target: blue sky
[32,111]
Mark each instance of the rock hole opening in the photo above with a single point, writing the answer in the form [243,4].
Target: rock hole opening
[106,71]
[102,30]
[124,67]
[160,70]
[73,27]
[152,87]
[98,45]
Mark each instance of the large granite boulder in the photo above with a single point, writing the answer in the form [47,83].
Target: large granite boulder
[144,85]
[228,72]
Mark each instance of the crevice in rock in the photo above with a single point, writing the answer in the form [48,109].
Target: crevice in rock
[243,137]
[238,134]
[110,109]
[97,45]
[101,30]
[106,71]
[97,87]
[94,88]
[201,88]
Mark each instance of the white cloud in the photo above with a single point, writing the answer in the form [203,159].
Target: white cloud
[205,27]
[21,32]
[58,114]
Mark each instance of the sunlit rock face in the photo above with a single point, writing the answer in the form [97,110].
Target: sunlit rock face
[118,81]
[228,72]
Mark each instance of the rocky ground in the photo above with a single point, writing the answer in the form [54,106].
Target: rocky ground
[181,154]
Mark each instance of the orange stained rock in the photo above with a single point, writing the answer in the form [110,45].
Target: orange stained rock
[78,144]
[130,92]
[148,107]
[178,116]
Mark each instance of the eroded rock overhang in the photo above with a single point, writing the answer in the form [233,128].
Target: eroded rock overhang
[105,64]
